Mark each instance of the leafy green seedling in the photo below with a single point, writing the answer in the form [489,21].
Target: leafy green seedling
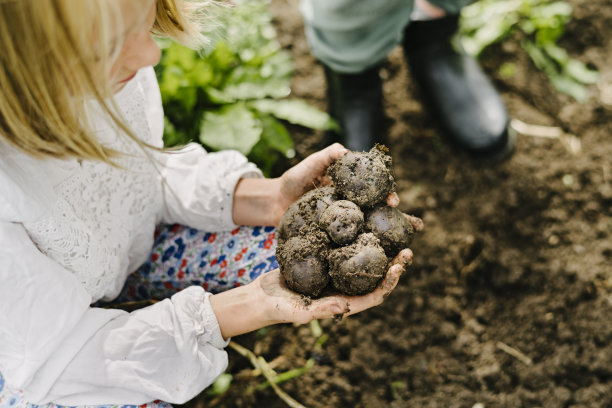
[539,25]
[220,386]
[396,387]
[232,94]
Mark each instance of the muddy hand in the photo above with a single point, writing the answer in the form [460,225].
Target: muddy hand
[288,306]
[310,172]
[416,222]
[341,305]
[393,201]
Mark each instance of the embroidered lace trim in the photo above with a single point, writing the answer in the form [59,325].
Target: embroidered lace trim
[101,209]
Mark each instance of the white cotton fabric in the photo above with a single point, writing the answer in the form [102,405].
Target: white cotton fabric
[70,233]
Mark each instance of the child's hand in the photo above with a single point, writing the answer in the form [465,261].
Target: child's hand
[308,174]
[260,201]
[284,305]
[267,301]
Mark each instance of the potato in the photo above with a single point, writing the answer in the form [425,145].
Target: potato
[391,227]
[365,178]
[342,220]
[357,268]
[340,238]
[303,264]
[305,211]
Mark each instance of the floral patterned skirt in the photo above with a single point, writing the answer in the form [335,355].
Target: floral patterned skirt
[183,257]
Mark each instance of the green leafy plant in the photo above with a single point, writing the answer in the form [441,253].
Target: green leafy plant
[540,23]
[232,94]
[220,386]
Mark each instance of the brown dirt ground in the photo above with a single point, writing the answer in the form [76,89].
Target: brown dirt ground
[516,256]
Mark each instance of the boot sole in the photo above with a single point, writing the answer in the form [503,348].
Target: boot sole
[504,153]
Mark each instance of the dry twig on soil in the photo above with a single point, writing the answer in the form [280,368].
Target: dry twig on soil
[569,141]
[514,353]
[260,363]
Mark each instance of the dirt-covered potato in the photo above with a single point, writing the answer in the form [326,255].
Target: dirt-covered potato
[357,268]
[391,227]
[365,178]
[303,264]
[342,220]
[340,238]
[305,211]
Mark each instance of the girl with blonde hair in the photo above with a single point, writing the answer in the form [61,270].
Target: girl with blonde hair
[93,209]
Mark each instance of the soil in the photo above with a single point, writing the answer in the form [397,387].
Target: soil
[509,300]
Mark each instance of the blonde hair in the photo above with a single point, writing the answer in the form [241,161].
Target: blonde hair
[54,56]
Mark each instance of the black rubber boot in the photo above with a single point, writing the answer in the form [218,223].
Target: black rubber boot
[456,90]
[355,101]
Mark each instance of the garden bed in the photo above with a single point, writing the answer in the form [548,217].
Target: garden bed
[509,300]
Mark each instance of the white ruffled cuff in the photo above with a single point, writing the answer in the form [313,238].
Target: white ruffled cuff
[195,303]
[210,332]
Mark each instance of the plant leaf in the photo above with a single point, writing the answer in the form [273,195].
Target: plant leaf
[173,137]
[220,386]
[230,127]
[581,73]
[274,143]
[569,86]
[252,86]
[276,136]
[222,57]
[486,22]
[297,112]
[540,23]
[264,157]
[555,52]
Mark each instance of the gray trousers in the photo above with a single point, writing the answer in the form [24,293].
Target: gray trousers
[352,35]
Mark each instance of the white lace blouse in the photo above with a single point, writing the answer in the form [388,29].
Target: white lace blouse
[70,233]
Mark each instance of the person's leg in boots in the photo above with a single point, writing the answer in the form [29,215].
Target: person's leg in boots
[452,84]
[351,38]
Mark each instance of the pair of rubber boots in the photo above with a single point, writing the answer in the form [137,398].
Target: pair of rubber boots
[454,88]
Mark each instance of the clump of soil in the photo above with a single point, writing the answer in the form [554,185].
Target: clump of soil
[322,236]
